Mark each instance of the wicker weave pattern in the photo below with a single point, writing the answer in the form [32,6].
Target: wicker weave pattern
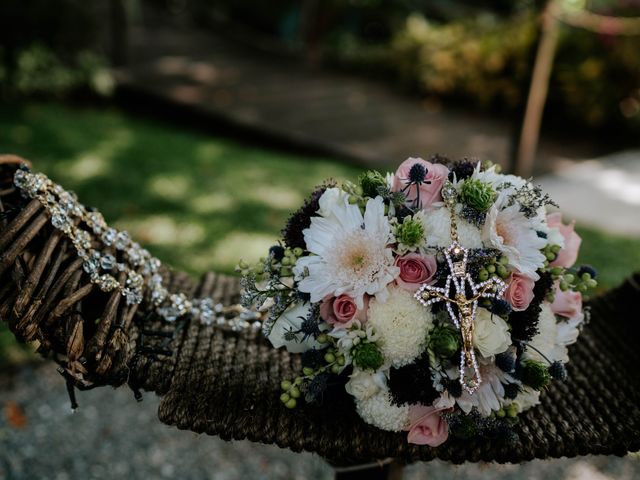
[216,381]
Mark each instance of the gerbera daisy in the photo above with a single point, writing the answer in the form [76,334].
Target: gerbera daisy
[349,253]
[508,230]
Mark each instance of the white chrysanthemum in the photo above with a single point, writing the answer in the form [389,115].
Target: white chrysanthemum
[508,230]
[498,181]
[378,411]
[527,398]
[349,253]
[363,385]
[402,324]
[567,332]
[545,340]
[490,395]
[437,228]
[490,333]
[283,330]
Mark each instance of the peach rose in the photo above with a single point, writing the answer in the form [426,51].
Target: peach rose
[416,270]
[431,186]
[426,426]
[341,311]
[519,293]
[567,304]
[569,253]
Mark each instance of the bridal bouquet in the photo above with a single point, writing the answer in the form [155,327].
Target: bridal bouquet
[442,298]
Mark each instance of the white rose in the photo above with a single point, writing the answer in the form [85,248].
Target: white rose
[291,320]
[364,385]
[490,334]
[331,198]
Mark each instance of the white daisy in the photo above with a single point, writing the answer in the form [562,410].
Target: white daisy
[500,182]
[566,333]
[508,230]
[490,395]
[349,253]
[527,398]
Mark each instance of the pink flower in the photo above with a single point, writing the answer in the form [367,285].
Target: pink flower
[519,293]
[341,311]
[431,186]
[426,426]
[567,304]
[415,270]
[569,253]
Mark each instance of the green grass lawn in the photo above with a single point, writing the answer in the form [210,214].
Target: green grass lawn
[196,201]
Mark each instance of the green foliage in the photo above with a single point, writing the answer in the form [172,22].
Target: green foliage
[39,71]
[410,232]
[477,195]
[371,181]
[444,341]
[367,356]
[535,374]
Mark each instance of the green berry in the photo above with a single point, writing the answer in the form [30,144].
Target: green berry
[550,256]
[322,338]
[307,371]
[341,361]
[329,357]
[501,413]
[491,269]
[556,248]
[335,369]
[557,271]
[284,398]
[353,199]
[291,403]
[502,271]
[564,286]
[483,275]
[286,272]
[298,251]
[286,261]
[569,277]
[512,410]
[591,283]
[285,385]
[586,276]
[503,260]
[295,392]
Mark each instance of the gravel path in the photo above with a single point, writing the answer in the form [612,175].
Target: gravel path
[113,437]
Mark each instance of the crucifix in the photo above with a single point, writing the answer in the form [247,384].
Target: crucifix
[464,297]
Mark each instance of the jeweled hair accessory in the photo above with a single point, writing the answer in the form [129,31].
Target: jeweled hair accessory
[441,298]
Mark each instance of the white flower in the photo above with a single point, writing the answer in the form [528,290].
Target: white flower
[444,401]
[566,333]
[380,412]
[437,227]
[490,395]
[402,324]
[364,385]
[291,320]
[544,341]
[348,337]
[490,333]
[507,229]
[499,182]
[527,398]
[331,198]
[349,254]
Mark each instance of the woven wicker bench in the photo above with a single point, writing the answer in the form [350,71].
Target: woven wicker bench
[222,382]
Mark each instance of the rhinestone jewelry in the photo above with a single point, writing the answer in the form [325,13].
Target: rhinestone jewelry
[91,237]
[463,316]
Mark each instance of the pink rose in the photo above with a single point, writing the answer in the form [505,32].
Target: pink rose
[431,186]
[415,270]
[519,293]
[426,426]
[567,304]
[341,311]
[569,253]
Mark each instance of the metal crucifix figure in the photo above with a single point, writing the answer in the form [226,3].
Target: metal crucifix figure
[463,316]
[465,297]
